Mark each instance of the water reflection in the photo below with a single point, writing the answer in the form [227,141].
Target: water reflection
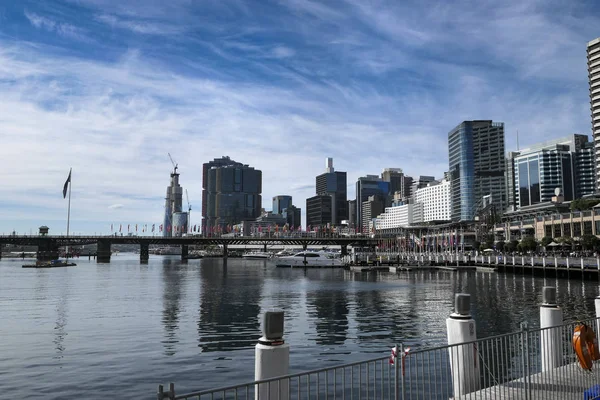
[172,286]
[330,308]
[229,305]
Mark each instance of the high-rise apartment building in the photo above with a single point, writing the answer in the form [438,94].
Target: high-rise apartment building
[566,163]
[175,221]
[280,203]
[477,167]
[331,184]
[371,208]
[231,193]
[593,64]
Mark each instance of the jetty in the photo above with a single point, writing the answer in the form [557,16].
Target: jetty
[531,364]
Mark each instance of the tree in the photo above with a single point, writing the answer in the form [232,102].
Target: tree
[528,243]
[511,246]
[546,240]
[590,242]
[489,241]
[583,204]
[500,245]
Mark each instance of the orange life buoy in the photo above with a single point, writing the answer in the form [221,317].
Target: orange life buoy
[585,346]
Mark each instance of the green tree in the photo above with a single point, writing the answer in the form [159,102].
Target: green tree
[590,242]
[528,243]
[489,241]
[512,245]
[500,245]
[546,240]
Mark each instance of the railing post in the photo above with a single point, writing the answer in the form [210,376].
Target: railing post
[463,358]
[551,317]
[161,394]
[525,346]
[272,358]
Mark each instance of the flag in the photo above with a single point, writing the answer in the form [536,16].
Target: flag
[136,227]
[152,227]
[120,227]
[127,227]
[66,185]
[111,227]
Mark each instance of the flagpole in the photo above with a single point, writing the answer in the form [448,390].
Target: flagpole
[69,211]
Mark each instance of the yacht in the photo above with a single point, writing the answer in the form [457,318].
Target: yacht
[257,255]
[314,259]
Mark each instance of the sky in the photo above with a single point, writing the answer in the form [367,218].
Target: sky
[110,87]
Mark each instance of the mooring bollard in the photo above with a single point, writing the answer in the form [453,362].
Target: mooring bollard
[272,359]
[551,317]
[464,365]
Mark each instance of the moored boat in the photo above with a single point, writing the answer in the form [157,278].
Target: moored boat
[257,255]
[309,259]
[50,264]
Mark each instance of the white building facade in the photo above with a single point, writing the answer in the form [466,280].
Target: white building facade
[435,200]
[397,217]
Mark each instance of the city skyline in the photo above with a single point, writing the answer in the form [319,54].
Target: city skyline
[110,89]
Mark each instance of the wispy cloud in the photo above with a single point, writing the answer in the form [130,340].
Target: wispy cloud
[115,206]
[51,25]
[145,27]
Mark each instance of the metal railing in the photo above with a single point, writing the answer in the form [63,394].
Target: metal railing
[511,366]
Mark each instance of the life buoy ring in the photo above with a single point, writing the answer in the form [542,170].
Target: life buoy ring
[585,346]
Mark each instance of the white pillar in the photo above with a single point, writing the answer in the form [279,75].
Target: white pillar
[272,359]
[582,265]
[513,261]
[598,313]
[464,363]
[551,315]
[567,262]
[555,262]
[523,261]
[544,261]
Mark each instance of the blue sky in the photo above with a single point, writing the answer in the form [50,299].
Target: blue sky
[109,87]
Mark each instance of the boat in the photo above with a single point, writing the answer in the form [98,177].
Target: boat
[50,264]
[309,259]
[257,255]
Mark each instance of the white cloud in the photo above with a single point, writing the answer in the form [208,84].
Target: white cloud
[115,206]
[51,25]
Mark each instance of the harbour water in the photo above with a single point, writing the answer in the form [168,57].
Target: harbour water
[123,328]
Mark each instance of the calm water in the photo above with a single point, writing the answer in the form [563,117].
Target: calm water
[126,327]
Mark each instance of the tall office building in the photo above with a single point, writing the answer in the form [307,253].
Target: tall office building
[593,64]
[399,183]
[366,186]
[352,213]
[477,167]
[331,184]
[293,215]
[371,208]
[231,193]
[280,203]
[566,163]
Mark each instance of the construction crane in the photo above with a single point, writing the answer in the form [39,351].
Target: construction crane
[173,162]
[187,198]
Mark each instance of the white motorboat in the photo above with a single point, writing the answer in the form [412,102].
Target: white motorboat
[257,255]
[309,259]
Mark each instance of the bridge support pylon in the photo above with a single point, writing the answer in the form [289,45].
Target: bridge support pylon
[184,252]
[103,251]
[344,250]
[47,250]
[144,253]
[225,251]
[264,248]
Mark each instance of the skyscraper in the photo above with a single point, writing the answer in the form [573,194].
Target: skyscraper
[331,184]
[593,64]
[477,167]
[566,163]
[370,185]
[280,203]
[231,193]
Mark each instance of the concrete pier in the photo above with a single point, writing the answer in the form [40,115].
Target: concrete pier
[103,251]
[144,252]
[272,358]
[184,252]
